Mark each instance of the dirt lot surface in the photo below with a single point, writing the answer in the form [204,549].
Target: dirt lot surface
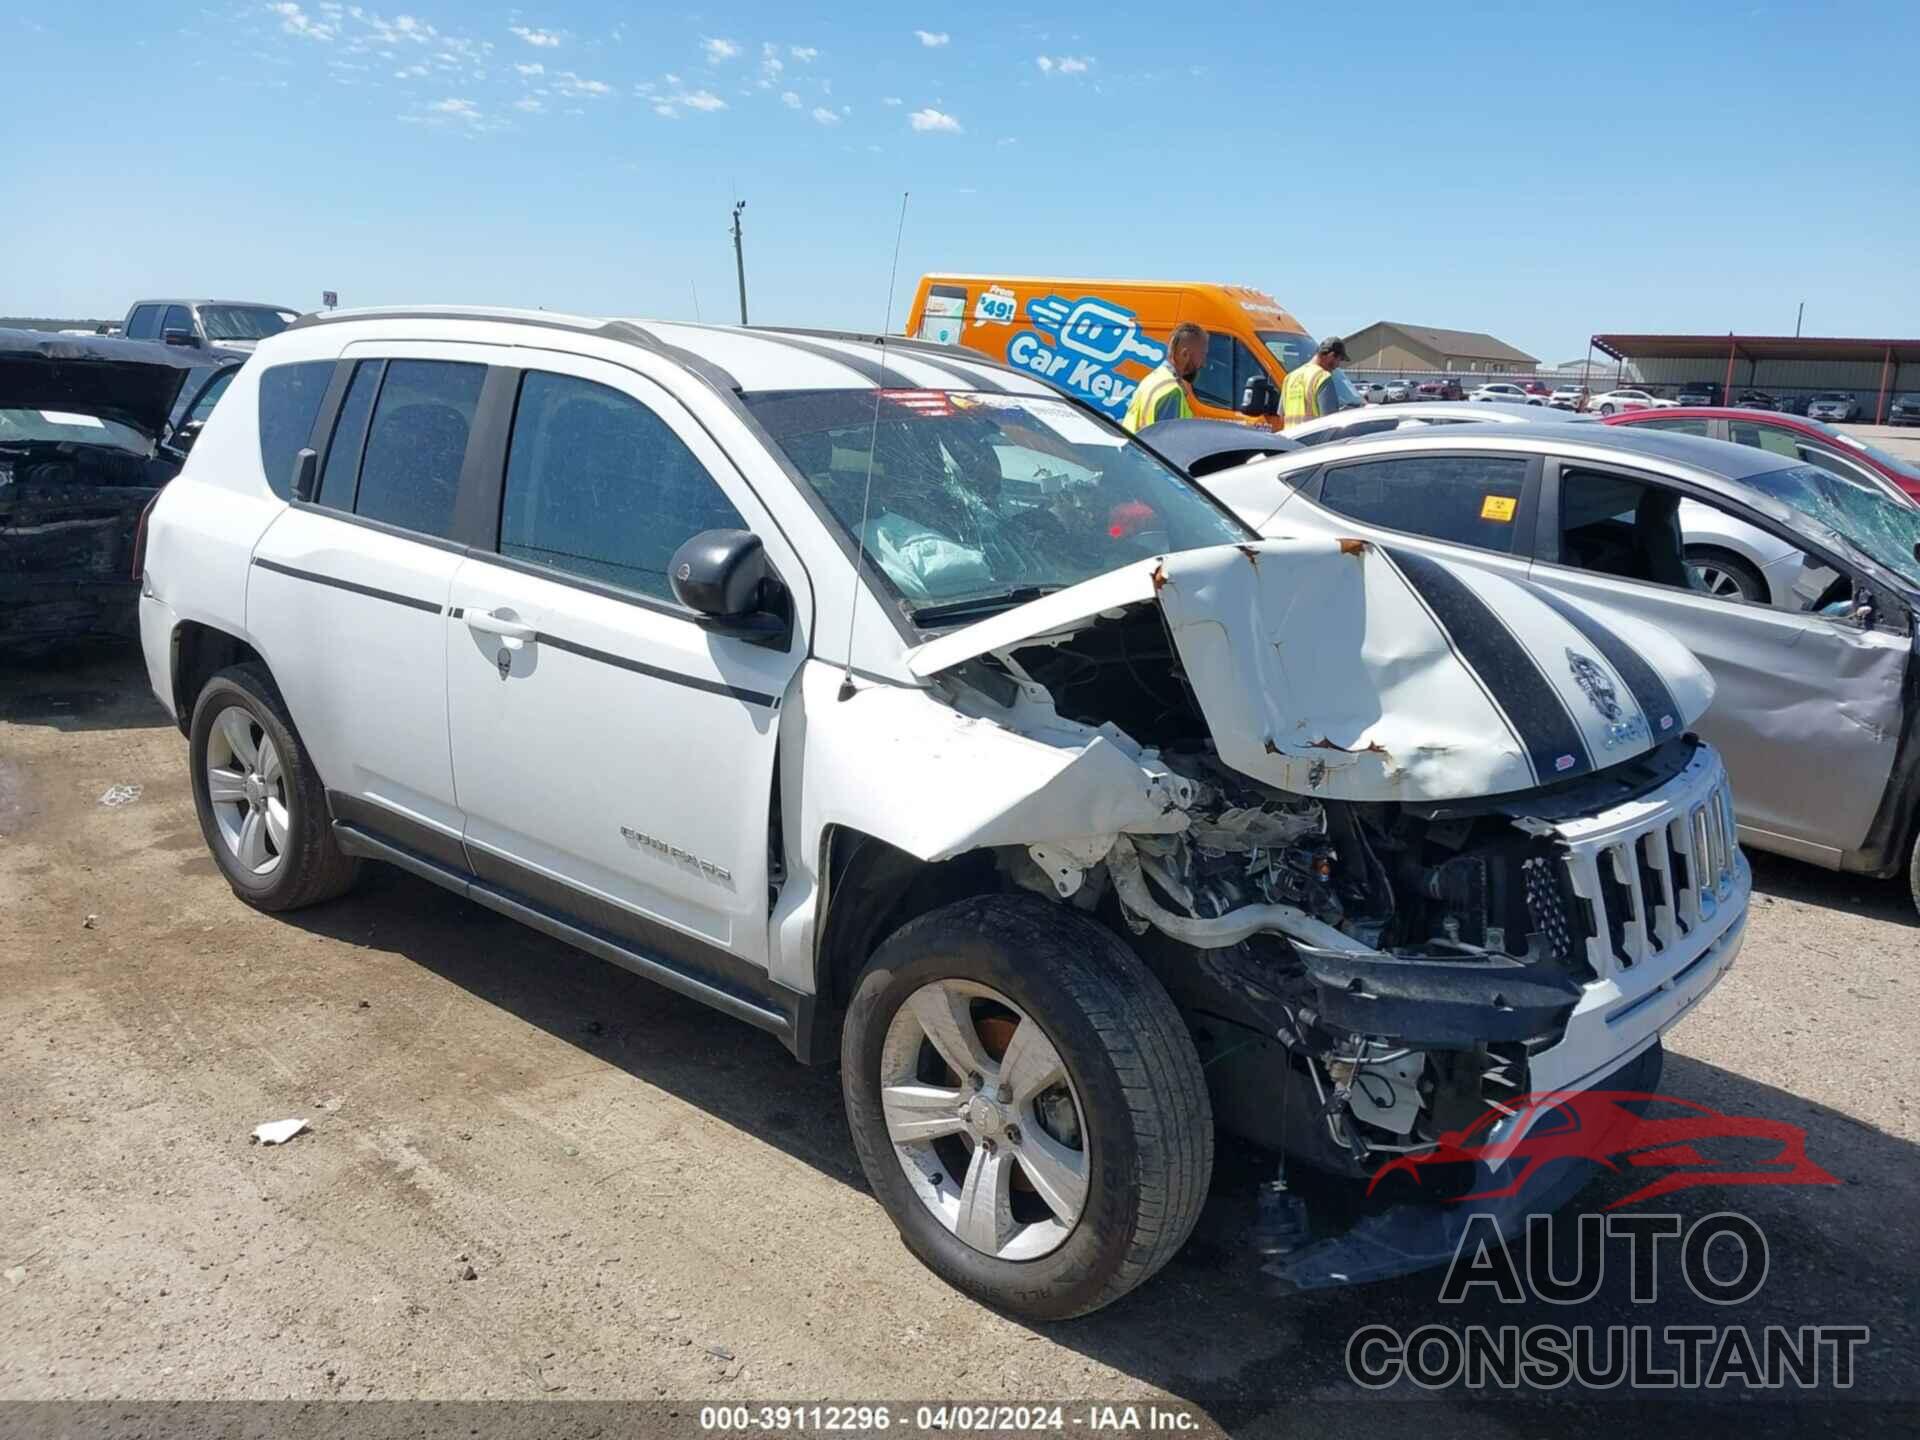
[533,1175]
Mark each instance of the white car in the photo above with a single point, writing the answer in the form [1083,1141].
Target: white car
[1614,402]
[1351,424]
[1833,405]
[1567,397]
[882,698]
[1500,392]
[1399,391]
[1370,392]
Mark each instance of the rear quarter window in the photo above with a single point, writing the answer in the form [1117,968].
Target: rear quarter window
[290,398]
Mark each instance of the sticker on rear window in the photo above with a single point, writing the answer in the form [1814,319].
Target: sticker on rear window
[1498,507]
[62,417]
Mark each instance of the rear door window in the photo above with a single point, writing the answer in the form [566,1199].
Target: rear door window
[945,313]
[1771,438]
[144,323]
[290,397]
[416,444]
[342,472]
[1682,426]
[600,487]
[1462,499]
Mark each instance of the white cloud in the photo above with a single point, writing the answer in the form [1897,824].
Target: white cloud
[411,72]
[719,50]
[574,86]
[1064,64]
[451,106]
[824,116]
[931,119]
[296,21]
[536,68]
[702,100]
[789,99]
[663,109]
[539,39]
[933,39]
[530,105]
[672,79]
[805,54]
[892,100]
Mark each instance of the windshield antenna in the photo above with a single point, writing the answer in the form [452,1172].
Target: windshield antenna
[873,443]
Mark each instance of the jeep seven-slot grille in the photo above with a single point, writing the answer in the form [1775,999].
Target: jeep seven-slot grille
[1647,890]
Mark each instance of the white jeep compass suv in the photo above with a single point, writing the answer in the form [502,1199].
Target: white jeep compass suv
[889,701]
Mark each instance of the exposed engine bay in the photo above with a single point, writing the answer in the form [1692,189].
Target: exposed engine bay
[1391,966]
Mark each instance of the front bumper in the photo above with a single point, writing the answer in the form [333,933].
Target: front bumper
[1669,890]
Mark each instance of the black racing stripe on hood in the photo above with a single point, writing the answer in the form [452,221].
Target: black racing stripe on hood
[1547,729]
[1650,691]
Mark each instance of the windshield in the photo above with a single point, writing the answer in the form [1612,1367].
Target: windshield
[56,426]
[1289,347]
[1878,526]
[980,501]
[244,322]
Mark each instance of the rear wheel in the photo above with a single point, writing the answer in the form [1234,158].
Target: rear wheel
[1027,1105]
[262,808]
[1727,576]
[1606,409]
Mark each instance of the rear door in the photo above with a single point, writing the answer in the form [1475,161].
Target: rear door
[614,758]
[353,588]
[1807,705]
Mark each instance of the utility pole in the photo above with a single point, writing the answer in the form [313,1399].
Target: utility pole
[740,259]
[1798,318]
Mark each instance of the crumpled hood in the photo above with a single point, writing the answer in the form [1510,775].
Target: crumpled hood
[1347,670]
[131,381]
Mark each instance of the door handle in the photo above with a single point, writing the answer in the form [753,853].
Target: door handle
[516,631]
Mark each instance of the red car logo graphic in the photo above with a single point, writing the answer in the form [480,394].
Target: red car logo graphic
[1609,1128]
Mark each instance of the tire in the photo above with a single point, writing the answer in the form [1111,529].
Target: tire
[1728,576]
[1606,409]
[1132,1082]
[304,864]
[1913,873]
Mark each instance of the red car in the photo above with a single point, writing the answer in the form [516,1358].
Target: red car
[1794,435]
[1536,387]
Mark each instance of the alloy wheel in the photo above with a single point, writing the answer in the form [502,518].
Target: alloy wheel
[985,1120]
[1723,584]
[247,785]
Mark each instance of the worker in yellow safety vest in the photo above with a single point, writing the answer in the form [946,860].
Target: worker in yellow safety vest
[1163,395]
[1303,396]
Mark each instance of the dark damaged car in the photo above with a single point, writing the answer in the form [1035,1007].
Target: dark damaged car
[90,429]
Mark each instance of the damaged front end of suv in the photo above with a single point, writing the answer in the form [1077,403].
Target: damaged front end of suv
[1406,841]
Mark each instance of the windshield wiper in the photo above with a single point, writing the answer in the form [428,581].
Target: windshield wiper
[981,604]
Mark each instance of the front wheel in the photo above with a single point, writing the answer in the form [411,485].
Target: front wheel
[1027,1105]
[1606,409]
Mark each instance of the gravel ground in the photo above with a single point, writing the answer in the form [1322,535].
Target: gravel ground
[533,1175]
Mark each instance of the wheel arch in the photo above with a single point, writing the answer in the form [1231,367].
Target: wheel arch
[199,652]
[870,888]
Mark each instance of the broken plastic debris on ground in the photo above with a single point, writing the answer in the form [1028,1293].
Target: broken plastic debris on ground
[117,795]
[277,1132]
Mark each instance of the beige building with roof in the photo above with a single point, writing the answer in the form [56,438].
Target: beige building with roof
[1385,345]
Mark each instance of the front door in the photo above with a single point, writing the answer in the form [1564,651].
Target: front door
[613,758]
[1807,703]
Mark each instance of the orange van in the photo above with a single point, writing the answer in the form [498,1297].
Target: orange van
[1097,339]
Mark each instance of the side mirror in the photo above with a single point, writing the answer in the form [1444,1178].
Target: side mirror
[1260,397]
[181,440]
[184,338]
[306,475]
[725,578]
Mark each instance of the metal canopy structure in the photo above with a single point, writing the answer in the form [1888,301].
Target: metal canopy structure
[1889,356]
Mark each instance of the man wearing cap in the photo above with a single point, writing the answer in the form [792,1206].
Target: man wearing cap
[1163,395]
[1303,397]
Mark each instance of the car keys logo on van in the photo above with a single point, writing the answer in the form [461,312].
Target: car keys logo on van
[1093,337]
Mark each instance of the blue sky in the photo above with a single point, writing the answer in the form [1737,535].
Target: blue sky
[1537,171]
